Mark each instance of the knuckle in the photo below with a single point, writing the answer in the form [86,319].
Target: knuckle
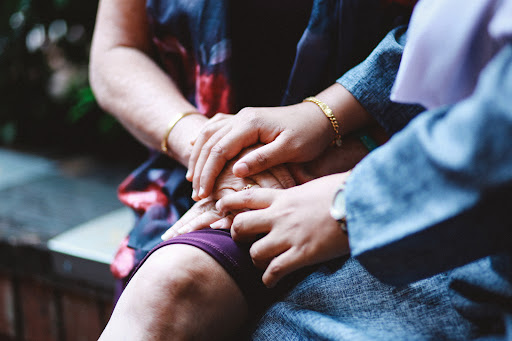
[246,196]
[249,114]
[288,182]
[236,228]
[275,269]
[218,150]
[276,186]
[255,253]
[260,158]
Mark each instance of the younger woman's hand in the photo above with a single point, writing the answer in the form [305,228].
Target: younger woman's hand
[299,229]
[294,133]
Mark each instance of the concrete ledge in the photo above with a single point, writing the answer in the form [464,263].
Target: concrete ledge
[86,251]
[60,225]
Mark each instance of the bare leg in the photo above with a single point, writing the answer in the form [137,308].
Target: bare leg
[180,293]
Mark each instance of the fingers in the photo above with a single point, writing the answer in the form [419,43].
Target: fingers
[283,175]
[224,223]
[263,158]
[198,187]
[254,198]
[266,180]
[246,226]
[230,145]
[275,254]
[281,266]
[201,221]
[211,127]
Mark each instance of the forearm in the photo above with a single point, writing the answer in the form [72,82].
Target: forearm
[133,89]
[131,86]
[350,114]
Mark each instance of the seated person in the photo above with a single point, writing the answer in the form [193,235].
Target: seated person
[436,197]
[128,83]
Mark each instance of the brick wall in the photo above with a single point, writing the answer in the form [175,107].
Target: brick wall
[38,309]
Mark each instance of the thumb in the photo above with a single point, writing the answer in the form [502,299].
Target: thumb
[263,158]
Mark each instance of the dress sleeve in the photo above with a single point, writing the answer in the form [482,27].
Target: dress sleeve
[371,81]
[439,194]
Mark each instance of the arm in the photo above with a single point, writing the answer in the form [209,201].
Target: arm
[301,132]
[437,195]
[295,133]
[131,86]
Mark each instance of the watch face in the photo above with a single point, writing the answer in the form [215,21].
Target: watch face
[338,210]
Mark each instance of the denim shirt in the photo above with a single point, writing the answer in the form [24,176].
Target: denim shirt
[438,195]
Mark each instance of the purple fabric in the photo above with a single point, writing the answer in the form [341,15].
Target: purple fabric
[234,258]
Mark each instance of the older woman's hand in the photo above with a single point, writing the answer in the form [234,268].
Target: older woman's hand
[203,213]
[299,229]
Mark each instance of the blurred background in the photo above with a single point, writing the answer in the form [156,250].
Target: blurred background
[61,160]
[45,99]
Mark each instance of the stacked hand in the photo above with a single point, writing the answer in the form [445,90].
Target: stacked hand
[293,133]
[298,228]
[203,213]
[263,147]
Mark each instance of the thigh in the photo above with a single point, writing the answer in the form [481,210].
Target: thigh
[342,301]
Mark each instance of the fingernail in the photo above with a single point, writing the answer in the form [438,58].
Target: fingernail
[183,229]
[168,234]
[217,225]
[194,194]
[240,169]
[188,175]
[201,192]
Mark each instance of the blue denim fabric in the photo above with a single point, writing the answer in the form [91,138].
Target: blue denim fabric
[440,190]
[371,81]
[342,301]
[437,196]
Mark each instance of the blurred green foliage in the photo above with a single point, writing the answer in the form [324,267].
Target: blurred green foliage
[45,98]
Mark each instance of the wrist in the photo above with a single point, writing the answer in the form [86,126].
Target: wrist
[179,141]
[350,114]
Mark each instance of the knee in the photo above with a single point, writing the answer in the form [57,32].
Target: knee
[178,272]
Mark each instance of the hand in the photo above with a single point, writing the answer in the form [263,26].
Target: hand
[331,161]
[295,133]
[299,229]
[204,213]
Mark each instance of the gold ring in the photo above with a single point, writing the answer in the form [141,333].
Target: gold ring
[246,187]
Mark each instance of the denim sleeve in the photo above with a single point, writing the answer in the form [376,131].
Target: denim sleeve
[439,194]
[371,81]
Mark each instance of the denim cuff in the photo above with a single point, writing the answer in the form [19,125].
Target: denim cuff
[371,81]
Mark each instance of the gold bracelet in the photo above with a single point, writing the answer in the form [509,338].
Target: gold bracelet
[163,145]
[328,112]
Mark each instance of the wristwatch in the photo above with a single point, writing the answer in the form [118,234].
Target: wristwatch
[338,210]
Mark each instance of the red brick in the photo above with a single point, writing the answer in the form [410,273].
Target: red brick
[39,311]
[7,312]
[82,317]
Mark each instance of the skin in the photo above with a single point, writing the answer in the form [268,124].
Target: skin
[298,228]
[296,133]
[131,86]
